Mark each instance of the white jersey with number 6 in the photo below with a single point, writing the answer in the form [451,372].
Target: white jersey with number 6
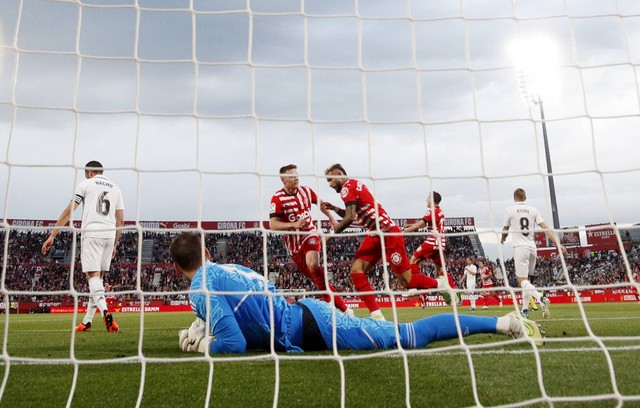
[522,219]
[100,198]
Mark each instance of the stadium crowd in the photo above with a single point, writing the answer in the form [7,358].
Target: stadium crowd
[47,278]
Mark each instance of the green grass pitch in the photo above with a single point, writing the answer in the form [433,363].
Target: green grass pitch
[572,365]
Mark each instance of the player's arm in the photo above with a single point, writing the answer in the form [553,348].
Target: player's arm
[505,233]
[347,219]
[227,337]
[62,221]
[276,224]
[327,207]
[119,225]
[416,226]
[552,237]
[222,336]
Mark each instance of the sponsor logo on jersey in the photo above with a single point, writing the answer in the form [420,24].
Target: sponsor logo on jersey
[295,217]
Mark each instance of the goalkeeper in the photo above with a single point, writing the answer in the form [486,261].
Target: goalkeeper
[239,317]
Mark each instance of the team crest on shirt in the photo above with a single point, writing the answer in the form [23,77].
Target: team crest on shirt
[396,258]
[344,192]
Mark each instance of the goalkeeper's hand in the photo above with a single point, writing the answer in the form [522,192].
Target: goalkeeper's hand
[196,338]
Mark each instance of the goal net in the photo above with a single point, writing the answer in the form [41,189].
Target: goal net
[193,106]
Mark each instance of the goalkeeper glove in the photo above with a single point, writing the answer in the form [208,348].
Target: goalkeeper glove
[195,338]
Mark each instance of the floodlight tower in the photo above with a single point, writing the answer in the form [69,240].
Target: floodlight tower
[535,70]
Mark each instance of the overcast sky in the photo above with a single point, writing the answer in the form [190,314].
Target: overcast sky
[193,112]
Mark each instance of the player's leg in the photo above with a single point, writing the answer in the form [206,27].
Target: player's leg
[366,256]
[97,255]
[445,278]
[312,263]
[521,264]
[443,327]
[485,298]
[418,280]
[398,260]
[472,297]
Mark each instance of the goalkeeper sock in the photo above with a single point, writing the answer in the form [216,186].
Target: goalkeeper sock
[443,327]
[361,284]
[96,288]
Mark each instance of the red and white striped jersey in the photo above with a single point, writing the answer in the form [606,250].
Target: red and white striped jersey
[486,275]
[293,207]
[354,191]
[437,226]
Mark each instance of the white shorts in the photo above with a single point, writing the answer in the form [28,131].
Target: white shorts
[471,285]
[95,254]
[525,261]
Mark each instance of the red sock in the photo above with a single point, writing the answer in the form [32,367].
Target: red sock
[415,268]
[318,279]
[361,284]
[420,281]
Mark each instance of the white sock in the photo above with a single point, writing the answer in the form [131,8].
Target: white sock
[91,311]
[96,288]
[528,290]
[473,300]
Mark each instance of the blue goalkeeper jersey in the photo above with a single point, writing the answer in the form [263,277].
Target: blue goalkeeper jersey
[239,310]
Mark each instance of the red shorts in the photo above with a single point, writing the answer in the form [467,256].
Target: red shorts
[300,258]
[395,252]
[429,251]
[487,286]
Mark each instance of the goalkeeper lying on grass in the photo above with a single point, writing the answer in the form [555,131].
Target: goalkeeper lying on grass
[239,316]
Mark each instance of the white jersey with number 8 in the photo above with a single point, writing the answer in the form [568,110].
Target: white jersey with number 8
[522,219]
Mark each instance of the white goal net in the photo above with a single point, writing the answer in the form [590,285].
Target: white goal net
[193,106]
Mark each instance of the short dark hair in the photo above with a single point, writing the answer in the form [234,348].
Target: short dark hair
[94,166]
[436,197]
[520,194]
[336,166]
[186,250]
[288,167]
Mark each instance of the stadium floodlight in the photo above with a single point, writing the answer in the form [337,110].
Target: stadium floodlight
[535,63]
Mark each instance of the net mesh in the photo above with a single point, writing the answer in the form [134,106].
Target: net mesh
[194,105]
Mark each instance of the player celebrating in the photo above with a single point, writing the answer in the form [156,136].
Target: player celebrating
[486,276]
[435,243]
[520,220]
[291,211]
[362,207]
[238,322]
[102,215]
[470,272]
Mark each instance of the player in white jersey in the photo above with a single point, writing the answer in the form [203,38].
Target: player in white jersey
[520,220]
[102,215]
[470,272]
